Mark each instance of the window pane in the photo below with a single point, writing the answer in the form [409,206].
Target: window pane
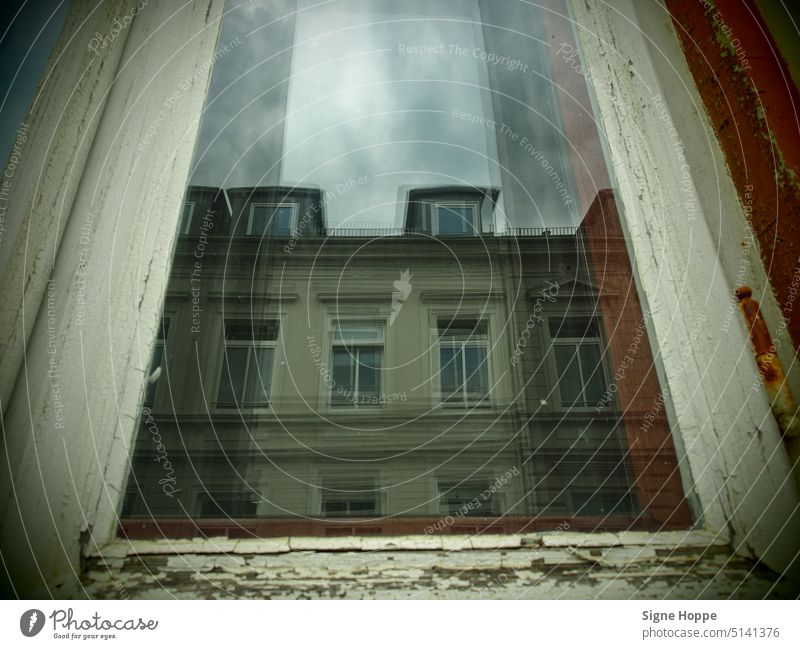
[571,327]
[283,221]
[452,372]
[234,366]
[256,330]
[227,505]
[362,507]
[158,355]
[462,330]
[477,371]
[352,133]
[344,379]
[369,378]
[164,330]
[454,219]
[259,220]
[259,375]
[595,385]
[186,218]
[334,508]
[354,332]
[353,498]
[469,498]
[569,378]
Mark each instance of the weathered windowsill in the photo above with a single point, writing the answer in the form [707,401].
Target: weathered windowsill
[120,548]
[674,564]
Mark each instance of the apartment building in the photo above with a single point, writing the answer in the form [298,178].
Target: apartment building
[451,282]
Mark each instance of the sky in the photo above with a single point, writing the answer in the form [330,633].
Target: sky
[330,93]
[28,32]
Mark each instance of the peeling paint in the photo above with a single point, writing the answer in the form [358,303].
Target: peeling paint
[671,565]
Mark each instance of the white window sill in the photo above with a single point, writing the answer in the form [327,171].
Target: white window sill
[121,548]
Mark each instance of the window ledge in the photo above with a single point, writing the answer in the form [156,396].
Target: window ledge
[121,548]
[685,564]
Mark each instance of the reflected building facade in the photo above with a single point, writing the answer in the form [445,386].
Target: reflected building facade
[400,299]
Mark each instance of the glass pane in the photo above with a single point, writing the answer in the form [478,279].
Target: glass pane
[335,508]
[369,377]
[226,505]
[591,365]
[354,332]
[473,498]
[344,379]
[259,220]
[454,219]
[452,372]
[164,330]
[350,134]
[158,355]
[259,375]
[255,330]
[569,378]
[462,330]
[362,507]
[186,218]
[477,371]
[574,327]
[283,220]
[234,367]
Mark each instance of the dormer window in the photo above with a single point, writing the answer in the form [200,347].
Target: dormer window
[455,218]
[272,219]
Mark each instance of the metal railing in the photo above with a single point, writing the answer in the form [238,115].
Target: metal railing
[378,232]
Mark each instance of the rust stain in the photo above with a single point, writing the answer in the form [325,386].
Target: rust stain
[753,111]
[783,404]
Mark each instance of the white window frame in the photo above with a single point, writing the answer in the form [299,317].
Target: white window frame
[161,342]
[574,343]
[465,403]
[247,344]
[437,205]
[274,206]
[186,221]
[496,498]
[365,321]
[714,395]
[327,477]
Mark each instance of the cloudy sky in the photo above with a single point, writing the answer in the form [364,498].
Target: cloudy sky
[329,93]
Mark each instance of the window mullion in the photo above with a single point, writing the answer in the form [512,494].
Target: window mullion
[357,374]
[580,373]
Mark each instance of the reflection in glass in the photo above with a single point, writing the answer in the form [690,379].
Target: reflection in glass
[400,299]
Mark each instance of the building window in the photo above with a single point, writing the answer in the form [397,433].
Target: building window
[158,360]
[577,349]
[463,362]
[455,218]
[273,219]
[247,363]
[457,187]
[349,498]
[468,498]
[186,217]
[357,358]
